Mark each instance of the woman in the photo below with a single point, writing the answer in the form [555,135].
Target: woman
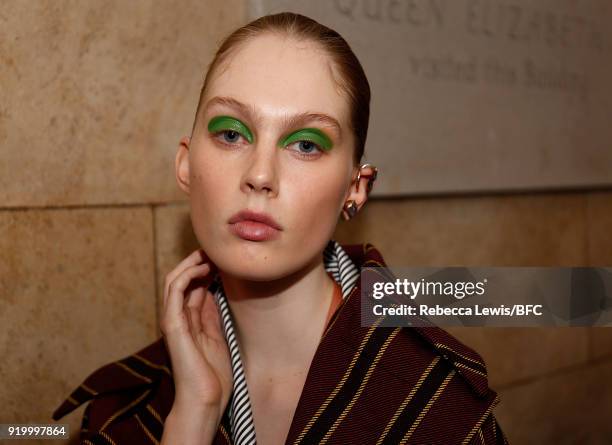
[261,329]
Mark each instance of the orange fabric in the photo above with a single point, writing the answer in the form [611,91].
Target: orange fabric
[336,300]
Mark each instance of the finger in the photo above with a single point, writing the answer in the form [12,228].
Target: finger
[196,257]
[211,318]
[193,305]
[196,291]
[182,349]
[173,312]
[193,258]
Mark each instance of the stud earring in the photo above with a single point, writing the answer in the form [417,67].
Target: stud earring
[350,208]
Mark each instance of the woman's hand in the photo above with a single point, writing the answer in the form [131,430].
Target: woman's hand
[193,333]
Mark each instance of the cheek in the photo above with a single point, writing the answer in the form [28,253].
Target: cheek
[207,187]
[317,203]
[210,178]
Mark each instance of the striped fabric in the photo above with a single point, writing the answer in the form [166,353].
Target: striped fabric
[242,428]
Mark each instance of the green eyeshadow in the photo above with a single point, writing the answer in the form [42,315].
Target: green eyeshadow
[220,123]
[309,134]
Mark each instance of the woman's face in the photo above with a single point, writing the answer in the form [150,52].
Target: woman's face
[272,136]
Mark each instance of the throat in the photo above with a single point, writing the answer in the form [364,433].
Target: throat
[279,334]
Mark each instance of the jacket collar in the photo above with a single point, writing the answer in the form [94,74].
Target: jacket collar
[152,363]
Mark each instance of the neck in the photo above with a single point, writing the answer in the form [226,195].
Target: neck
[279,323]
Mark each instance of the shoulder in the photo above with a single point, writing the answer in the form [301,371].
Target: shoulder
[466,362]
[428,379]
[416,353]
[128,398]
[437,376]
[430,341]
[459,378]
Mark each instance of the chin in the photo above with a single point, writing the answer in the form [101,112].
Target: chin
[253,270]
[253,261]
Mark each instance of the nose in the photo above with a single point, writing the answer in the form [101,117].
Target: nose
[261,172]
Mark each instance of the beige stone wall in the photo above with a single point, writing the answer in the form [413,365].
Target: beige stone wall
[94,98]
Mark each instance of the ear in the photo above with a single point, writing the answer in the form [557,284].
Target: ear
[181,164]
[358,191]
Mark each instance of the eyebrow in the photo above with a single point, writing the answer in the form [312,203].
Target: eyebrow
[291,121]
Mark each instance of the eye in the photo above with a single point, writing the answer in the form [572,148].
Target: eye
[228,130]
[229,136]
[307,149]
[309,142]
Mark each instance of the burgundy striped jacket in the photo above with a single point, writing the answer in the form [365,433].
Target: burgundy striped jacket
[365,385]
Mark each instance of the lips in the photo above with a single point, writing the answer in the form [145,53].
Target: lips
[254,226]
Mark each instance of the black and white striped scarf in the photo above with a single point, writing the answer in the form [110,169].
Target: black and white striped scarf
[346,274]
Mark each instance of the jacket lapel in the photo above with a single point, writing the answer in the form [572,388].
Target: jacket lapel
[342,362]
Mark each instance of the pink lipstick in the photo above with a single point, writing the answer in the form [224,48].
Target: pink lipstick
[254,226]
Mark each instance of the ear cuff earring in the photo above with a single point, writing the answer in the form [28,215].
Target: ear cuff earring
[371,177]
[350,207]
